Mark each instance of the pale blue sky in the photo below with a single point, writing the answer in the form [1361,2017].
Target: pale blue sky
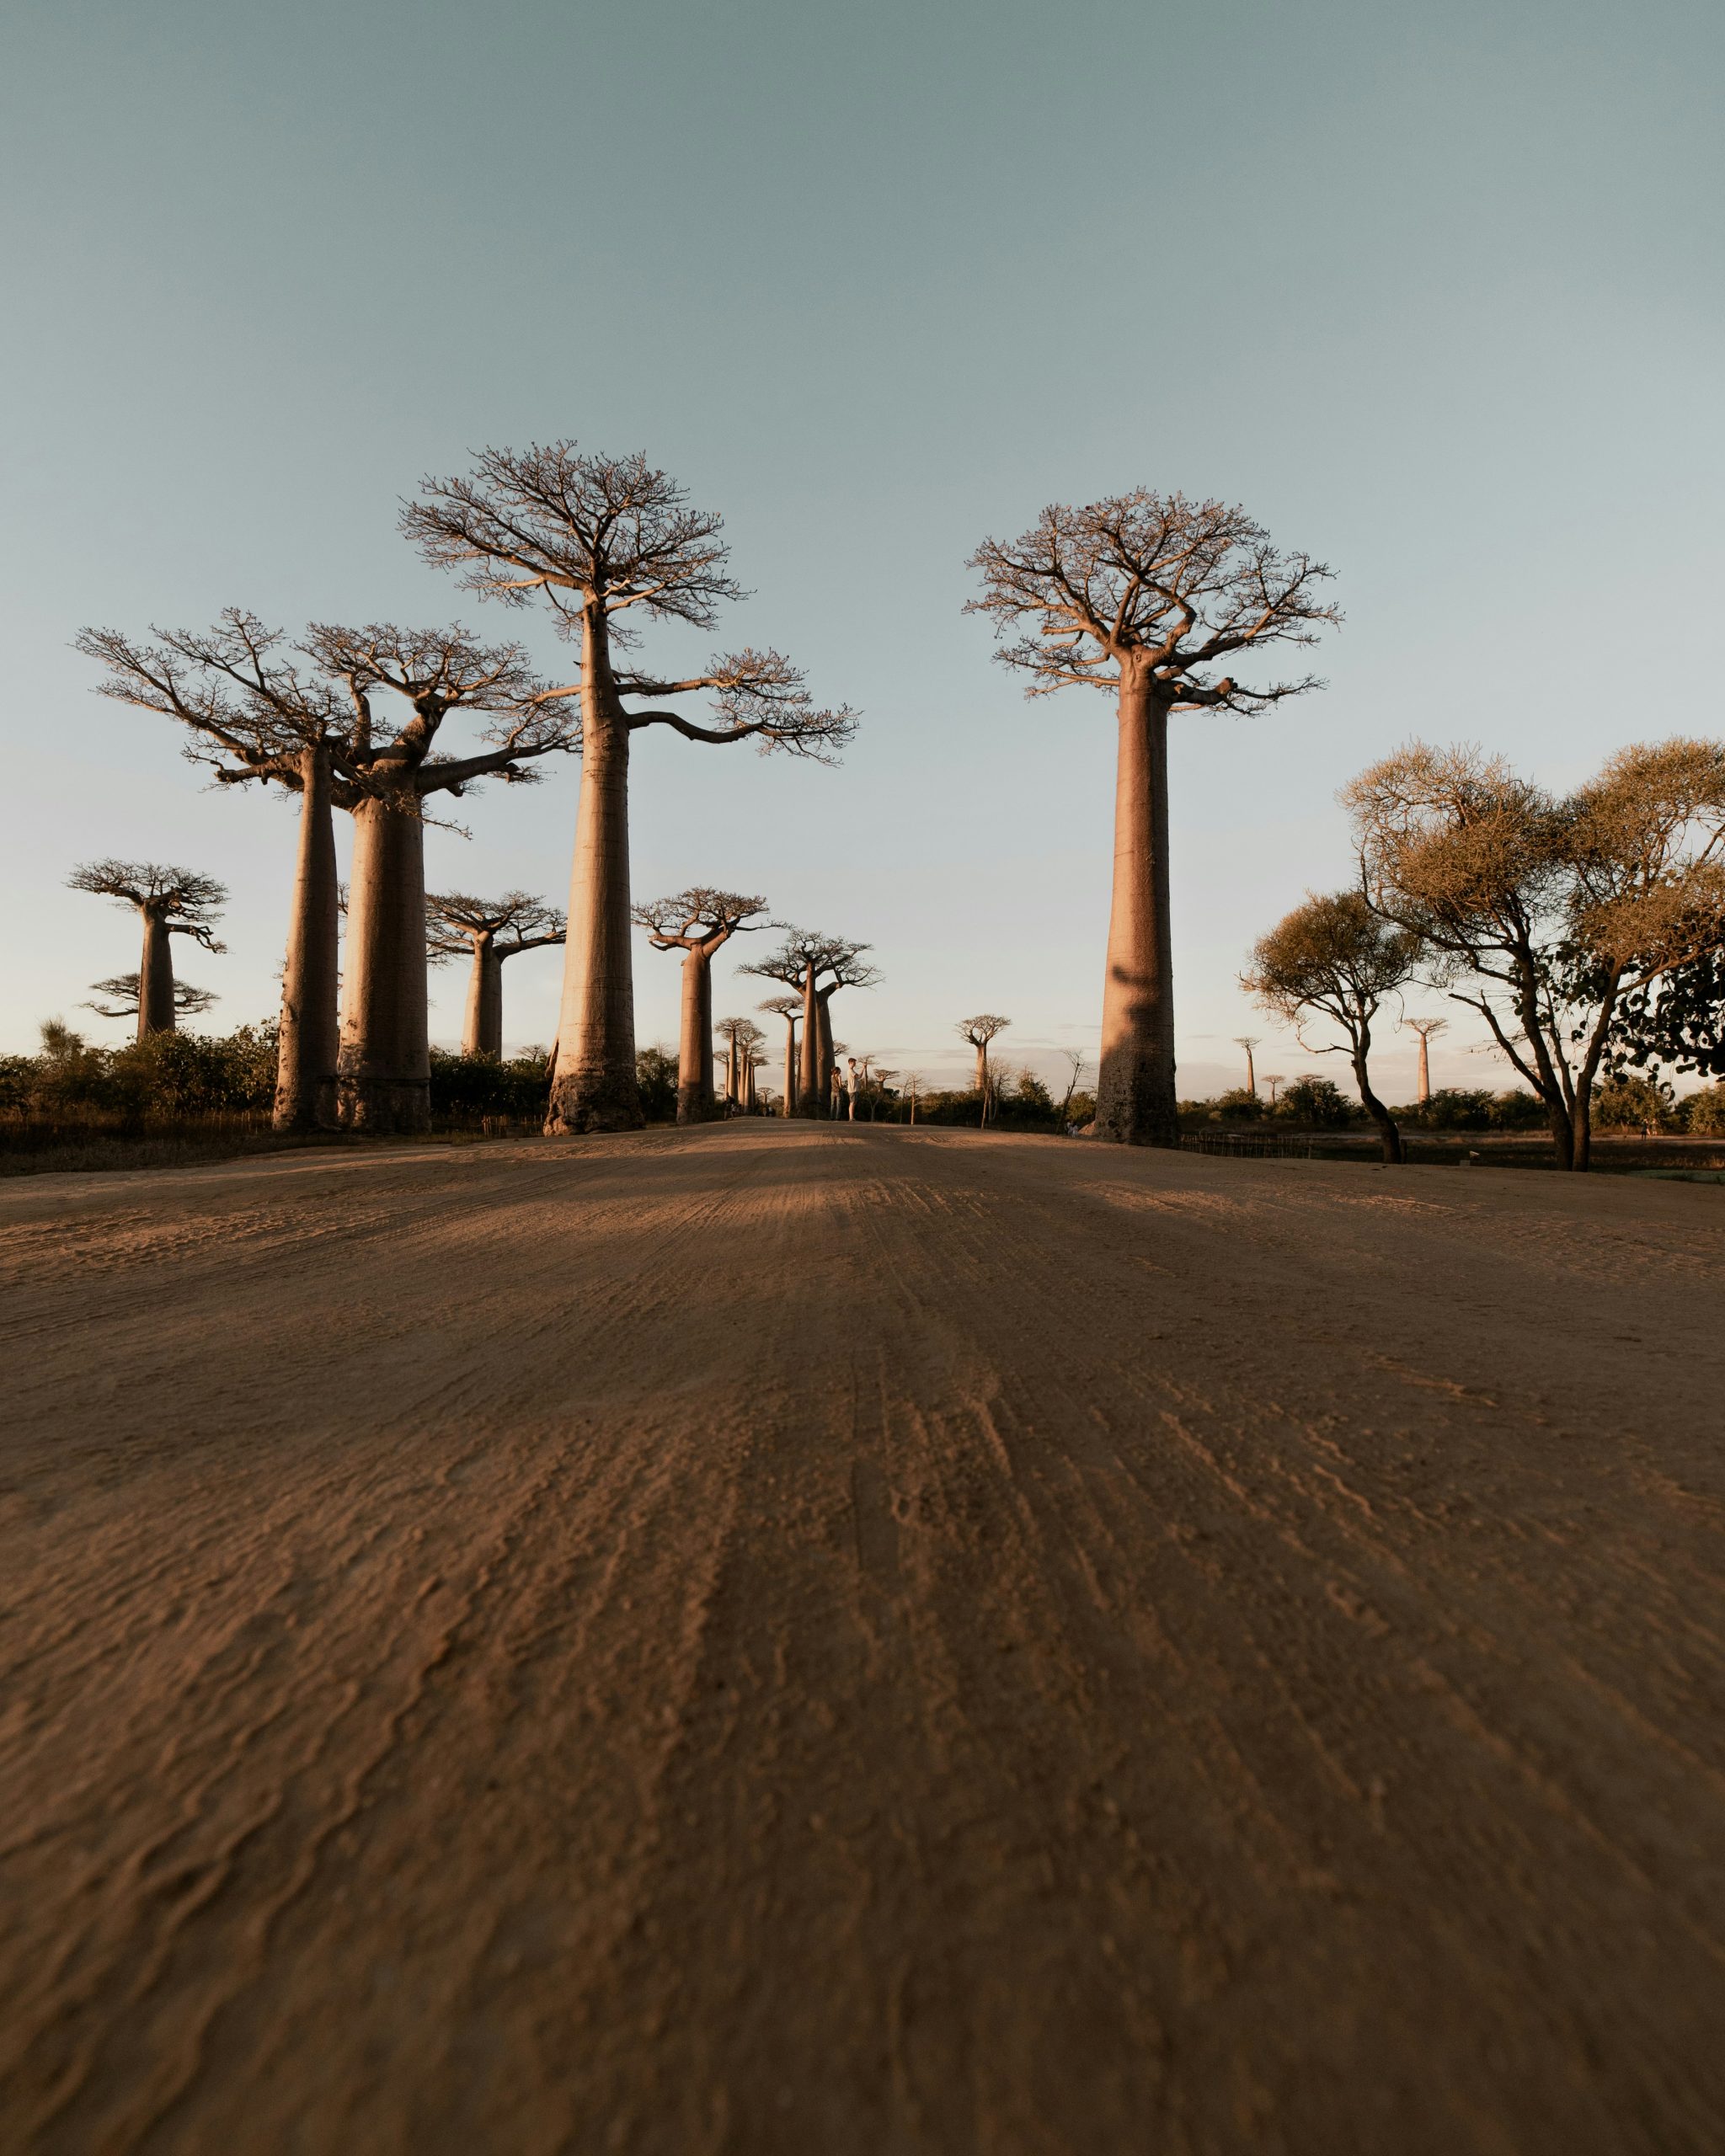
[1434,292]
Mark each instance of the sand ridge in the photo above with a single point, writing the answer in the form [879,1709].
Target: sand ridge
[869,1640]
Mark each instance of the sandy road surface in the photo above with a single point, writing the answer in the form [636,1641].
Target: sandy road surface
[860,1643]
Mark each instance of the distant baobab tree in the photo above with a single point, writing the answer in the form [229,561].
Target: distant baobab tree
[1273,1079]
[1146,595]
[819,965]
[383,1068]
[699,923]
[1427,1029]
[979,1031]
[595,537]
[1336,958]
[1248,1042]
[790,1009]
[170,902]
[254,713]
[122,992]
[742,1036]
[487,932]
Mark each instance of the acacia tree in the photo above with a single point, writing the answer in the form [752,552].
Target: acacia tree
[1542,914]
[805,957]
[1147,596]
[1428,1030]
[979,1031]
[790,1009]
[384,1064]
[699,923]
[1335,958]
[125,999]
[487,932]
[170,902]
[599,538]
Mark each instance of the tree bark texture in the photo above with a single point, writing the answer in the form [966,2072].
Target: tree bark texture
[1425,1073]
[1134,1097]
[593,1086]
[156,977]
[310,1040]
[790,1066]
[822,1005]
[481,1029]
[810,1100]
[695,1047]
[384,1071]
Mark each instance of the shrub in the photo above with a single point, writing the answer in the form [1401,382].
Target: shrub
[1632,1103]
[470,1087]
[656,1075]
[1238,1105]
[1704,1113]
[1318,1102]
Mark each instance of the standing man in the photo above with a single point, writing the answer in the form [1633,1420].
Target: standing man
[852,1082]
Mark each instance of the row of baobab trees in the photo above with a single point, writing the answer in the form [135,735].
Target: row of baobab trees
[1153,598]
[1543,914]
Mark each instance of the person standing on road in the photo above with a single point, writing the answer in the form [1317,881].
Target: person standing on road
[852,1082]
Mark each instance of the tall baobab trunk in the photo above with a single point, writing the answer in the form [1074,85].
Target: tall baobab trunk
[695,1047]
[749,1082]
[385,1068]
[482,1032]
[790,1066]
[811,1097]
[824,1049]
[982,1068]
[1135,1095]
[155,976]
[1425,1072]
[310,1034]
[593,1086]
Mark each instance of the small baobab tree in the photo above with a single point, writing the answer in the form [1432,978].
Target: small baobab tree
[123,995]
[606,540]
[817,966]
[487,932]
[1428,1030]
[1152,598]
[1273,1079]
[170,902]
[1334,957]
[699,923]
[742,1038]
[384,1066]
[790,1009]
[979,1031]
[1248,1042]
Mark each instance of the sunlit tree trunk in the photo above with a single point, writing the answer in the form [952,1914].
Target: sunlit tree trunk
[482,1033]
[1135,1102]
[810,1099]
[1425,1072]
[384,1068]
[310,1036]
[593,1086]
[823,1004]
[155,977]
[790,1066]
[695,1102]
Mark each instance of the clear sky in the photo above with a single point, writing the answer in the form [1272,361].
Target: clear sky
[1435,293]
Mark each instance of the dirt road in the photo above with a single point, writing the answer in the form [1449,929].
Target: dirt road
[850,1643]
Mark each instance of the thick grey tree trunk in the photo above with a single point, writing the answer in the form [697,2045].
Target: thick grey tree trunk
[810,1100]
[156,1012]
[594,1085]
[790,1066]
[482,1031]
[384,1070]
[824,1049]
[1135,1094]
[311,1027]
[1425,1072]
[695,1045]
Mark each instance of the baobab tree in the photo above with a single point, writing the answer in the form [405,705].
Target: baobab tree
[699,923]
[595,537]
[979,1031]
[487,932]
[806,956]
[1427,1029]
[742,1037]
[1334,957]
[1147,596]
[383,1067]
[1248,1042]
[1273,1079]
[125,1000]
[790,1009]
[1542,914]
[170,902]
